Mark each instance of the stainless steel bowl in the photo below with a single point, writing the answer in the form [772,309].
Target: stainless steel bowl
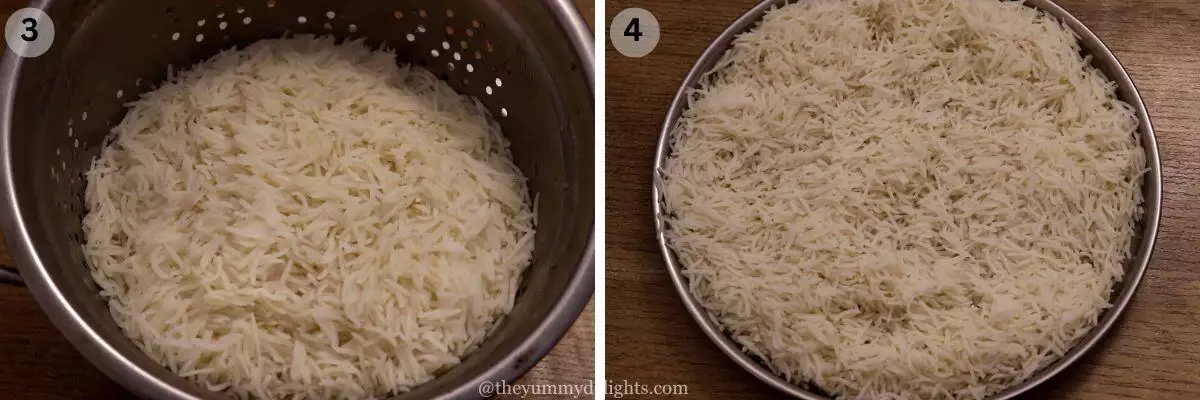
[529,63]
[1134,269]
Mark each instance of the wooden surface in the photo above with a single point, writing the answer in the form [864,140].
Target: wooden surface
[1154,353]
[39,364]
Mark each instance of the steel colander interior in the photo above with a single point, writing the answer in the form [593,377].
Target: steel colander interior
[524,60]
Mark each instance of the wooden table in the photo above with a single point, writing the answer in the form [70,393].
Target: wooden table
[1153,354]
[39,364]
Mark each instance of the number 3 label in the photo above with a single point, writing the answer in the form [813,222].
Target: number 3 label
[30,29]
[634,32]
[29,32]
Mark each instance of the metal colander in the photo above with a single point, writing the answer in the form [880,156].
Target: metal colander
[528,62]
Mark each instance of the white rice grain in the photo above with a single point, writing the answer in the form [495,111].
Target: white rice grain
[301,219]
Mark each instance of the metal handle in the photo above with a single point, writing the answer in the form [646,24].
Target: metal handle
[9,275]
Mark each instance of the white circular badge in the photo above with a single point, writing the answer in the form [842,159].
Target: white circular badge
[634,32]
[29,32]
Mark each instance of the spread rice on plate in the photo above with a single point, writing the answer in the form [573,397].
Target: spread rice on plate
[921,199]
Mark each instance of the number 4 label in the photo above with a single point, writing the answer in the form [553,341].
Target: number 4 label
[29,32]
[634,32]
